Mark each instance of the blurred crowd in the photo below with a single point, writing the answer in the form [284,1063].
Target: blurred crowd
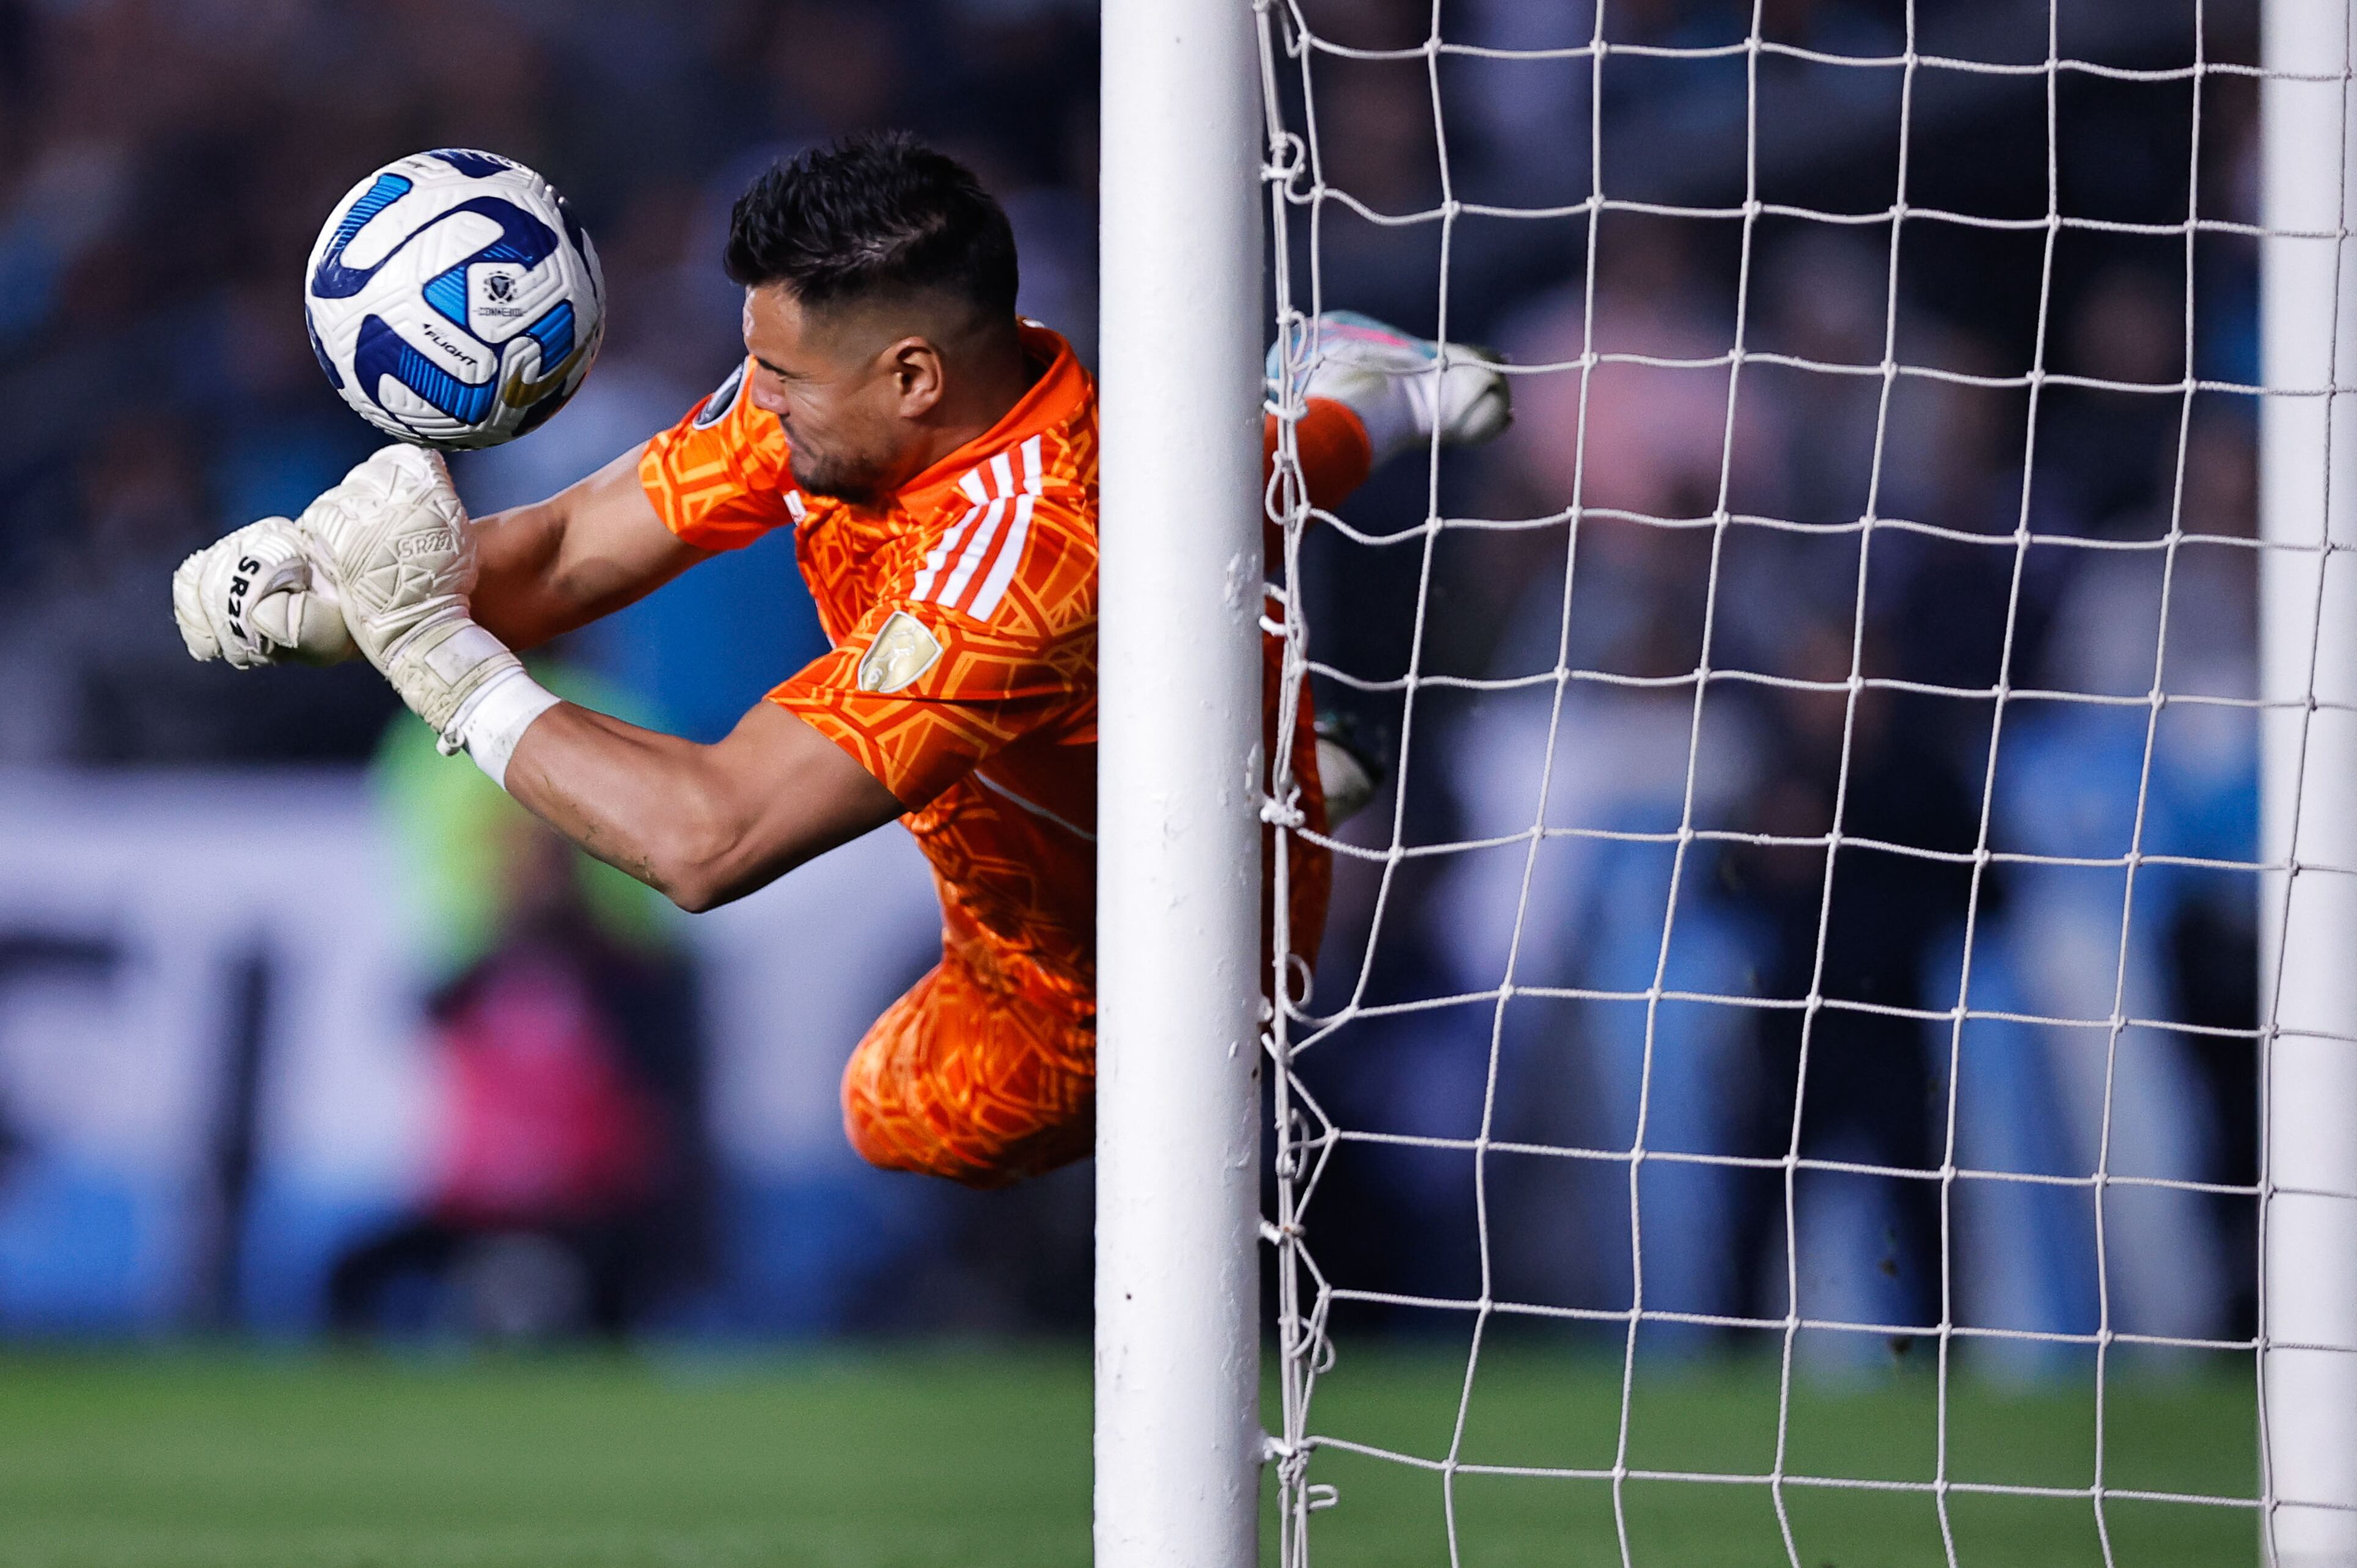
[163,168]
[2016,541]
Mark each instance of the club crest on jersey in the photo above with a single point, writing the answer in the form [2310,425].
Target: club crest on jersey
[724,398]
[903,649]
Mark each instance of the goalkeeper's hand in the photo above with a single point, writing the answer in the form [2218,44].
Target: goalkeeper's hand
[257,597]
[400,552]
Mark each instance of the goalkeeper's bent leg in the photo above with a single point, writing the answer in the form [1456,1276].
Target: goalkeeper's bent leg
[972,1083]
[1335,458]
[1336,455]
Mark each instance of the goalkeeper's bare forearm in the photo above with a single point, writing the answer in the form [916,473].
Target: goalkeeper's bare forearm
[587,551]
[701,824]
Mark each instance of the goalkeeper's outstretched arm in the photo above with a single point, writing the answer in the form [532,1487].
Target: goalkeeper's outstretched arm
[702,823]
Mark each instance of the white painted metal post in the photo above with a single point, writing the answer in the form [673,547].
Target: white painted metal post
[1177,1343]
[2309,812]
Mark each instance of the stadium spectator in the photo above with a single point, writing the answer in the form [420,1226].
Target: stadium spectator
[572,1189]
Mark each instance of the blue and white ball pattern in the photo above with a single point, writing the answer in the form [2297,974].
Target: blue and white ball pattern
[454,300]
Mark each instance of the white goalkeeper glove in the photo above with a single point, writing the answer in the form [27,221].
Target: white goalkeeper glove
[254,598]
[400,550]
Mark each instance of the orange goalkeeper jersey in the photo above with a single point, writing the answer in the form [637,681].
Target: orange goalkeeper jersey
[963,672]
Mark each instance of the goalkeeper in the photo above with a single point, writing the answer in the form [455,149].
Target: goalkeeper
[935,457]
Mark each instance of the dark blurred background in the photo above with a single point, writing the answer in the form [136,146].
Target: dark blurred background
[415,1069]
[2020,540]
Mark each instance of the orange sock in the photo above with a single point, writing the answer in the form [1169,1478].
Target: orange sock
[1335,453]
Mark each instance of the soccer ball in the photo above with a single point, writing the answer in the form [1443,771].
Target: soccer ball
[454,300]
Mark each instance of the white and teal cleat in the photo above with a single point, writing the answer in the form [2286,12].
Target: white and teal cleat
[1401,388]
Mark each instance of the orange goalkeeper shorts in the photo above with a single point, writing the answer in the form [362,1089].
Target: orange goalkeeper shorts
[975,1078]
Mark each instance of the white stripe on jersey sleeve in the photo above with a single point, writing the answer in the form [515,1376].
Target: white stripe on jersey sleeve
[1010,556]
[940,553]
[989,503]
[974,551]
[1010,549]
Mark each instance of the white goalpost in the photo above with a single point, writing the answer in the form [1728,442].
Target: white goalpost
[1212,107]
[2308,671]
[1178,1337]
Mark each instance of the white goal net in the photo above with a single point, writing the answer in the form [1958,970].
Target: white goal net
[1830,986]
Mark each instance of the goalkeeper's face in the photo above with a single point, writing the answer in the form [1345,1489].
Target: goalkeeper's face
[853,390]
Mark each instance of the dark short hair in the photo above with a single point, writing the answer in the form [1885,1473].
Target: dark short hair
[872,217]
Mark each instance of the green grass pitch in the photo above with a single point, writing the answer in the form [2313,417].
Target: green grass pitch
[951,1459]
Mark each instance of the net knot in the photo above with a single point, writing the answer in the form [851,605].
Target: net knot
[1288,162]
